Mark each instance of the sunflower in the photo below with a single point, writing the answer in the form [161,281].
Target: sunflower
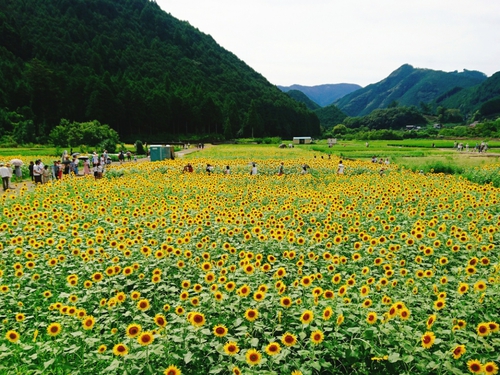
[463,288]
[490,368]
[133,330]
[458,351]
[327,313]
[120,349]
[231,348]
[243,291]
[439,304]
[253,357]
[483,329]
[251,315]
[179,310]
[197,319]
[430,321]
[143,305]
[160,320]
[371,318]
[102,348]
[317,337]
[259,296]
[404,314]
[366,303]
[12,336]
[20,317]
[494,327]
[273,348]
[135,295]
[286,302]
[220,330]
[307,317]
[340,319]
[474,366]
[289,339]
[54,329]
[88,322]
[428,339]
[145,338]
[480,286]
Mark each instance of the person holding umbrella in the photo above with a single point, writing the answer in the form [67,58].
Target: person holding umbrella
[17,163]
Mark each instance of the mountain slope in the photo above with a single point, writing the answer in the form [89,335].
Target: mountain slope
[133,66]
[483,98]
[330,116]
[324,94]
[407,86]
[302,98]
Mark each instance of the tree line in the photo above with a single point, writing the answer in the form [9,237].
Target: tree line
[128,64]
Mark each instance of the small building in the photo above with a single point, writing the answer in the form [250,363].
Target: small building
[331,141]
[302,140]
[161,152]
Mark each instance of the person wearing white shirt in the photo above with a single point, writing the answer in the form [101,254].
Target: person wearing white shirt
[340,169]
[6,174]
[253,171]
[37,172]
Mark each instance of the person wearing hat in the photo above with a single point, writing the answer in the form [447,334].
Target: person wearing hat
[6,174]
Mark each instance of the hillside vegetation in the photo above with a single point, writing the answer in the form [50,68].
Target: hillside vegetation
[480,100]
[407,86]
[303,98]
[131,65]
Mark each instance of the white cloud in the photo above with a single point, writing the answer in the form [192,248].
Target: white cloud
[357,41]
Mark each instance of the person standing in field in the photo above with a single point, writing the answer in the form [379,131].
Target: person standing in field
[281,169]
[6,174]
[340,169]
[45,174]
[86,167]
[37,172]
[227,170]
[253,171]
[30,168]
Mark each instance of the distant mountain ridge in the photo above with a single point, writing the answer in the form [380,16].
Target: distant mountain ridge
[483,98]
[407,86]
[324,94]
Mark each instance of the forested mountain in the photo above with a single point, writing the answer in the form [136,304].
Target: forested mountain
[407,86]
[129,64]
[324,94]
[303,98]
[330,116]
[482,100]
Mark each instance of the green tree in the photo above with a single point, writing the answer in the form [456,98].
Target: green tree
[339,129]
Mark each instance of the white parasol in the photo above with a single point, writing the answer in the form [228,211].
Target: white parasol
[16,162]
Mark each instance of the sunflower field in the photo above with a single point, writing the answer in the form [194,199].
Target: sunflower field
[156,271]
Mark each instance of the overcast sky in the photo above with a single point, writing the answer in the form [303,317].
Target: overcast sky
[313,42]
